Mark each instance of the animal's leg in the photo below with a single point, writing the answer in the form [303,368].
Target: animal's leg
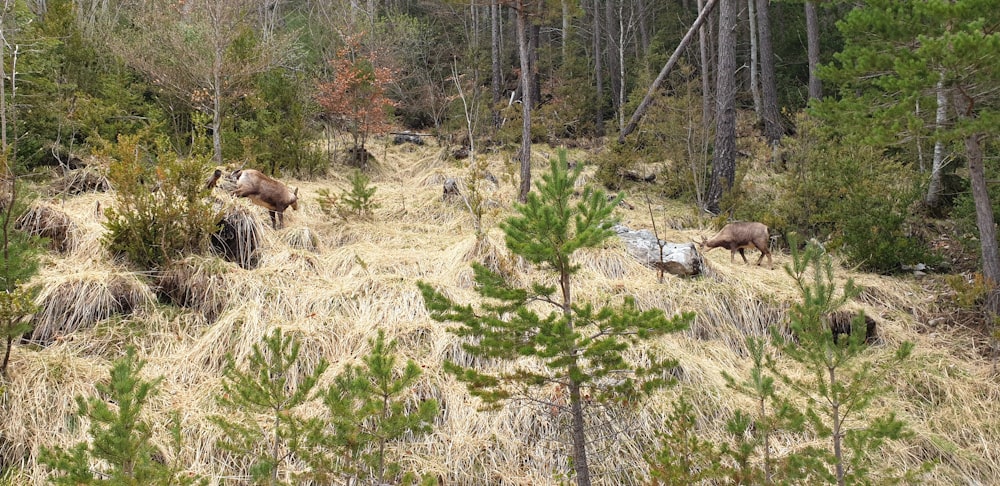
[744,256]
[274,223]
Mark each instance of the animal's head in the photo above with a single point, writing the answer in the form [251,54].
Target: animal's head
[701,244]
[295,200]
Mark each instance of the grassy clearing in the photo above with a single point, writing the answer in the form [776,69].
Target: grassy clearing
[334,283]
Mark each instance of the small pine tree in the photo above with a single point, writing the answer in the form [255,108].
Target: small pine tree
[840,383]
[18,263]
[581,348]
[262,424]
[752,432]
[369,410]
[683,458]
[359,199]
[119,451]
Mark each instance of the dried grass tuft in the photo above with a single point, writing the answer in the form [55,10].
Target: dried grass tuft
[80,181]
[78,301]
[239,237]
[197,283]
[302,238]
[47,221]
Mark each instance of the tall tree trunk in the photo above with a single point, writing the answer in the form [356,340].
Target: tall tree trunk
[984,211]
[773,128]
[598,68]
[526,101]
[724,159]
[812,48]
[640,111]
[706,78]
[621,66]
[611,27]
[534,32]
[565,31]
[217,108]
[497,74]
[933,197]
[754,63]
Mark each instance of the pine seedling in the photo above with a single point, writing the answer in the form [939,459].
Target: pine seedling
[262,424]
[581,348]
[752,432]
[18,263]
[119,451]
[370,408]
[840,381]
[359,198]
[683,458]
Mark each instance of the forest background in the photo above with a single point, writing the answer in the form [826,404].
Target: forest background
[869,127]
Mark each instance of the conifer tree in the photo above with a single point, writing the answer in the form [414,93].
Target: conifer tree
[18,263]
[119,451]
[582,348]
[263,426]
[841,380]
[370,409]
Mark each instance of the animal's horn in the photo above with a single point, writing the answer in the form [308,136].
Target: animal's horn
[296,193]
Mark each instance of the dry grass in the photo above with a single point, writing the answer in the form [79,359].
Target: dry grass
[333,284]
[79,181]
[48,221]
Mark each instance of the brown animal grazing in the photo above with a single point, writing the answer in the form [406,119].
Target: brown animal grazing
[267,193]
[737,236]
[841,323]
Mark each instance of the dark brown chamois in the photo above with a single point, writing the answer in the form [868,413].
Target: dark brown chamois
[842,323]
[267,193]
[738,236]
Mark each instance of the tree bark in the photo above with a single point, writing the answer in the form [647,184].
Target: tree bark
[773,129]
[497,74]
[640,111]
[984,211]
[598,75]
[724,159]
[754,62]
[611,27]
[706,78]
[933,197]
[526,101]
[812,48]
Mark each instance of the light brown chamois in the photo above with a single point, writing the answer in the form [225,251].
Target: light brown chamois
[267,193]
[737,236]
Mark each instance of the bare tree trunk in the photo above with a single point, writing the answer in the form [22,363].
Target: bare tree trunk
[984,210]
[706,78]
[565,30]
[217,109]
[773,128]
[937,165]
[724,160]
[754,83]
[621,66]
[613,57]
[534,32]
[598,68]
[522,49]
[812,48]
[648,99]
[497,74]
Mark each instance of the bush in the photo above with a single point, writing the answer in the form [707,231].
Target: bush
[161,212]
[855,197]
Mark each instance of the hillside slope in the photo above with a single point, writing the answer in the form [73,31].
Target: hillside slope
[362,277]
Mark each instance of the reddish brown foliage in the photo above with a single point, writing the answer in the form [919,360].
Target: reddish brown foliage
[355,99]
